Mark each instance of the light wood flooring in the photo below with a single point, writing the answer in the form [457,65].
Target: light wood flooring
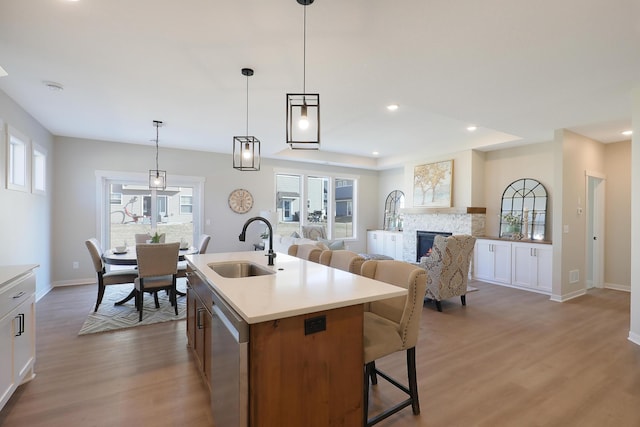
[509,358]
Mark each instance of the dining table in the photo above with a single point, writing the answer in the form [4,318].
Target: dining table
[129,257]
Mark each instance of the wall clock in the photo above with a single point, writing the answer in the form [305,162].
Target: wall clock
[240,200]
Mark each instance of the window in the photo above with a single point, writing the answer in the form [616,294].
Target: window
[115,198]
[143,210]
[328,201]
[39,170]
[186,204]
[16,160]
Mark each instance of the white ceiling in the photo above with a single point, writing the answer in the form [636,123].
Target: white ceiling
[517,69]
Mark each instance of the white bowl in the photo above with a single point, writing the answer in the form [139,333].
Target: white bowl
[121,248]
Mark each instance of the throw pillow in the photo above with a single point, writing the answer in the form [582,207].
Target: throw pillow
[334,245]
[295,235]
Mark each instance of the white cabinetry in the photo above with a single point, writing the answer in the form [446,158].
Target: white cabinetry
[17,328]
[532,265]
[493,261]
[383,242]
[521,265]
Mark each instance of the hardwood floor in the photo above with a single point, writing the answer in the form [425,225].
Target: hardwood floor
[509,358]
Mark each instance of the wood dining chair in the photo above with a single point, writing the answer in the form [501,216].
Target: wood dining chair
[157,270]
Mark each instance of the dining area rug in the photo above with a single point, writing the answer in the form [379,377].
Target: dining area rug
[110,317]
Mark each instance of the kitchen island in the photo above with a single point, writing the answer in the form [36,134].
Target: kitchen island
[285,344]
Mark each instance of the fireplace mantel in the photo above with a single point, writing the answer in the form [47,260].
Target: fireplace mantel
[467,210]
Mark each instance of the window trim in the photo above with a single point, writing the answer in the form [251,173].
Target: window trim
[11,133]
[105,178]
[37,151]
[333,177]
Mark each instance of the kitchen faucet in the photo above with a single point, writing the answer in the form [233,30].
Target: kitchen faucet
[242,235]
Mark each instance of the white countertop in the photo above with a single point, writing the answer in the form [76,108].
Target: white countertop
[297,287]
[10,272]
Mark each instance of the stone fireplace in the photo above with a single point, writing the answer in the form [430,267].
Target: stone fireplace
[424,242]
[439,220]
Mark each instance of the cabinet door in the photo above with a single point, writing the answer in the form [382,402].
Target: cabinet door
[24,338]
[501,261]
[6,356]
[392,245]
[375,244]
[483,261]
[524,265]
[191,317]
[544,268]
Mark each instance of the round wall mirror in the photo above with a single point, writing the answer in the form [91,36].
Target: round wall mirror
[392,206]
[523,212]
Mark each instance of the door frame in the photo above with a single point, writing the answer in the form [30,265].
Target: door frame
[595,183]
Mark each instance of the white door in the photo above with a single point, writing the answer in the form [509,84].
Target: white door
[595,230]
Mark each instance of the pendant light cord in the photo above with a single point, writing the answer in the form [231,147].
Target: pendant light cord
[157,133]
[304,53]
[247,126]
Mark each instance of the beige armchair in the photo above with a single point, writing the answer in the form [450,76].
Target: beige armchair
[343,260]
[448,268]
[392,325]
[308,252]
[157,270]
[116,277]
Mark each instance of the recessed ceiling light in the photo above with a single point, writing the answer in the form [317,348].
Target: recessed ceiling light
[627,132]
[53,86]
[3,72]
[375,153]
[392,107]
[472,128]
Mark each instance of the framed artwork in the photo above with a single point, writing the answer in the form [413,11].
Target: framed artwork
[432,184]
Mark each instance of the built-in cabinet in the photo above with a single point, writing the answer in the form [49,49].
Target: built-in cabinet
[17,328]
[532,265]
[382,242]
[514,263]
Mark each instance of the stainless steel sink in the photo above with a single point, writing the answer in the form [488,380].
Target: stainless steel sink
[239,269]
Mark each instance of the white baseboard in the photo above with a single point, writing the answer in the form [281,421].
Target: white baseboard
[570,295]
[74,282]
[616,287]
[634,338]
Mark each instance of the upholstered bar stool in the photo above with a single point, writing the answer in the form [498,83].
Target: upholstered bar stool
[308,252]
[342,260]
[392,325]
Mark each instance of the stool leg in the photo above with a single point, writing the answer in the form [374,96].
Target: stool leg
[413,383]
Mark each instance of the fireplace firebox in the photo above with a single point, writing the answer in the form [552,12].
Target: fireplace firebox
[424,242]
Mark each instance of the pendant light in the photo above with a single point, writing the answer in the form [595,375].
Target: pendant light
[246,149]
[303,109]
[157,178]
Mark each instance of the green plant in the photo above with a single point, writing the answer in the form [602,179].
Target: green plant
[511,219]
[155,238]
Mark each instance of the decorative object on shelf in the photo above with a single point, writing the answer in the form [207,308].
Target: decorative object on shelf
[303,109]
[246,149]
[524,200]
[157,178]
[392,206]
[240,201]
[432,184]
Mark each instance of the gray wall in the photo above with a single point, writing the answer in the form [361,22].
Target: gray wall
[74,215]
[25,218]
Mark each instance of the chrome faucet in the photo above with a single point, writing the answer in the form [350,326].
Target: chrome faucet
[242,236]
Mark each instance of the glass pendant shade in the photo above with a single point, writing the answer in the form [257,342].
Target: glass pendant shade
[246,153]
[303,121]
[158,179]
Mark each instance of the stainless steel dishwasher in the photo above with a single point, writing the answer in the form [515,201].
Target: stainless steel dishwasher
[229,366]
